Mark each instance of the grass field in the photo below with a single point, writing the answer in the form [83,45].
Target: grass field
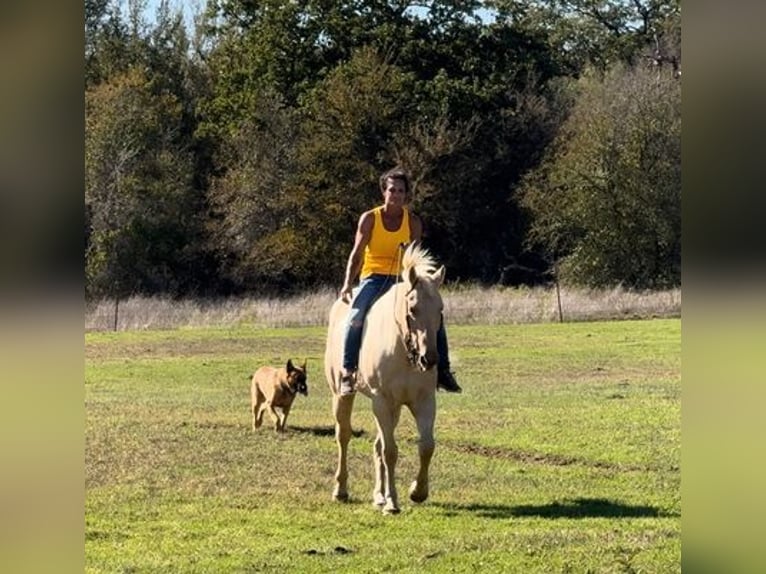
[562,455]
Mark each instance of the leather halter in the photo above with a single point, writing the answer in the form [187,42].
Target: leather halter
[408,339]
[404,330]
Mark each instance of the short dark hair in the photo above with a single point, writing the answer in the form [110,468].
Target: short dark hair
[396,173]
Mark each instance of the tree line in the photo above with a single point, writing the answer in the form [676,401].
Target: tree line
[542,136]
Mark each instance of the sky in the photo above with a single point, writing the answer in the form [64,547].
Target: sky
[188,7]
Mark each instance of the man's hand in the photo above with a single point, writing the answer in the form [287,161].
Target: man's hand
[345,293]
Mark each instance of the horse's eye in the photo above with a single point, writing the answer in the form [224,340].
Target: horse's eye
[413,312]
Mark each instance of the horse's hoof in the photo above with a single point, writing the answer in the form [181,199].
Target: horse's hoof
[418,496]
[391,508]
[378,500]
[340,496]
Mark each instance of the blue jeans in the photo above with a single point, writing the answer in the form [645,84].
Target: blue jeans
[367,292]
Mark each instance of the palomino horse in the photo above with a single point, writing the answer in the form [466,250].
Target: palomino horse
[396,367]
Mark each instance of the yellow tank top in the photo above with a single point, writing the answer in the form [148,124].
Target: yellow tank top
[381,254]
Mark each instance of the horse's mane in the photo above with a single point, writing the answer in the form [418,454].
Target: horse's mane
[419,258]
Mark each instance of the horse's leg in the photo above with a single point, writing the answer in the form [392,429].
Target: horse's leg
[341,407]
[379,493]
[424,414]
[386,418]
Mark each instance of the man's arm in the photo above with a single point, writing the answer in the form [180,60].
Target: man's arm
[416,227]
[356,257]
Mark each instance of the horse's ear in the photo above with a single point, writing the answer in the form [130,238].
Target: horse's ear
[290,368]
[412,277]
[438,275]
[303,368]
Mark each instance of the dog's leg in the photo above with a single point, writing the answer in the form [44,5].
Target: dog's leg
[274,415]
[285,412]
[258,409]
[261,410]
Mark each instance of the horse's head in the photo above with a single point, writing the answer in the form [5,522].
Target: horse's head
[420,311]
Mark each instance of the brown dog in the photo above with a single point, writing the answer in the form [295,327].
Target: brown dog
[276,388]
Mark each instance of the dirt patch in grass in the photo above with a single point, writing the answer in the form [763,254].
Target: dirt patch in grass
[550,459]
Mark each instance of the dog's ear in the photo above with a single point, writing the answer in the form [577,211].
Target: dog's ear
[289,367]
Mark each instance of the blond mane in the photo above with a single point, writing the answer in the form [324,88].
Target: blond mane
[419,258]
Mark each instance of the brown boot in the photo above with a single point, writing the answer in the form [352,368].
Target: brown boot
[446,381]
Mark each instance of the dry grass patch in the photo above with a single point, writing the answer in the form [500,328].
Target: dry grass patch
[464,305]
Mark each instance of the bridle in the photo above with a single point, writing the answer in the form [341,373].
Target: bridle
[410,342]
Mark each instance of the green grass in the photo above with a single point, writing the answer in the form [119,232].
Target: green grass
[562,455]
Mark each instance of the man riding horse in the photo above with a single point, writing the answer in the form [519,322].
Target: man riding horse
[376,259]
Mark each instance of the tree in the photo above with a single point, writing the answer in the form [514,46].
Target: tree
[252,48]
[137,189]
[297,180]
[274,124]
[106,42]
[145,169]
[607,199]
[254,215]
[460,122]
[596,33]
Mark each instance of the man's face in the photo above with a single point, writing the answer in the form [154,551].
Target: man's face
[395,192]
